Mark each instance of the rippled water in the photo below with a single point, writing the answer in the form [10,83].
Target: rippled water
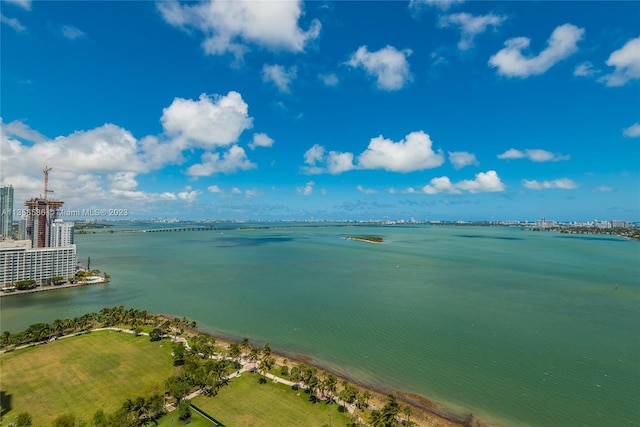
[521,328]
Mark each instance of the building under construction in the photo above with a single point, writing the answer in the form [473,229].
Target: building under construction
[40,214]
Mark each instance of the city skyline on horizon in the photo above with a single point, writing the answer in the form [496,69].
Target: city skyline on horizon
[318,110]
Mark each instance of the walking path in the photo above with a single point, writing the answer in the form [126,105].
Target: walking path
[246,366]
[52,288]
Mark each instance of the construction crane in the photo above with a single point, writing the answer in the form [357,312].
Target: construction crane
[46,181]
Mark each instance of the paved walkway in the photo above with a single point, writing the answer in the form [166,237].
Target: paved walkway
[51,288]
[245,366]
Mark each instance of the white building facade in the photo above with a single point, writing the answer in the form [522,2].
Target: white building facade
[19,262]
[61,233]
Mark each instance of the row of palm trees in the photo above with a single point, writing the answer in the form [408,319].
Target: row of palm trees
[202,367]
[133,412]
[106,317]
[323,385]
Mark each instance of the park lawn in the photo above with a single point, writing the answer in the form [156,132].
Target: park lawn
[245,402]
[81,374]
[171,420]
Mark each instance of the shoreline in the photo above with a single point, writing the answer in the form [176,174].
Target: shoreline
[424,409]
[52,288]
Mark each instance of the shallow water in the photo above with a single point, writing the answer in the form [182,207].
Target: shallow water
[521,328]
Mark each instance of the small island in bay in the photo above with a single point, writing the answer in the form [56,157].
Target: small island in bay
[368,239]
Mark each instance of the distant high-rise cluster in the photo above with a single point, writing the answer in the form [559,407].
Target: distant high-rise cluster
[45,247]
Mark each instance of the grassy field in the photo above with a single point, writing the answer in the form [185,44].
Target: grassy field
[80,375]
[172,420]
[246,403]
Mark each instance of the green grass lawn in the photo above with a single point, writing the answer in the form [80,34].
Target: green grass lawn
[244,402]
[80,375]
[172,420]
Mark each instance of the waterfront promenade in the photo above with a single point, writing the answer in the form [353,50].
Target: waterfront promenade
[96,280]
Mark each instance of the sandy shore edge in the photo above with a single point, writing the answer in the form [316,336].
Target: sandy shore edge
[425,412]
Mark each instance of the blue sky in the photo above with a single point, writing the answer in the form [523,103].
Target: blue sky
[346,110]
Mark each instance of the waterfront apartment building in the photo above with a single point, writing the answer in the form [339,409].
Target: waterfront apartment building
[20,262]
[6,211]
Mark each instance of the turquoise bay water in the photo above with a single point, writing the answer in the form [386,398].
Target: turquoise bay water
[521,328]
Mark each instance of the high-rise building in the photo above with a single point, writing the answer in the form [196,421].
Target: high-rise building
[61,233]
[6,211]
[22,227]
[40,213]
[19,262]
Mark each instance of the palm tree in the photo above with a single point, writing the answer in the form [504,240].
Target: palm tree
[234,353]
[390,409]
[129,406]
[375,418]
[296,375]
[266,350]
[5,339]
[314,384]
[245,345]
[57,327]
[266,364]
[142,407]
[407,411]
[331,385]
[366,396]
[254,354]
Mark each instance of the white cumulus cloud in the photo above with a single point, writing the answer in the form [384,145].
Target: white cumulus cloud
[215,189]
[188,195]
[632,131]
[411,154]
[561,183]
[280,76]
[585,69]
[626,61]
[333,162]
[470,26]
[535,155]
[230,161]
[307,190]
[124,181]
[234,26]
[314,154]
[460,159]
[511,62]
[208,122]
[261,140]
[389,66]
[104,163]
[484,182]
[338,162]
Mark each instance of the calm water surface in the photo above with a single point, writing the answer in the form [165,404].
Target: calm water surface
[521,328]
